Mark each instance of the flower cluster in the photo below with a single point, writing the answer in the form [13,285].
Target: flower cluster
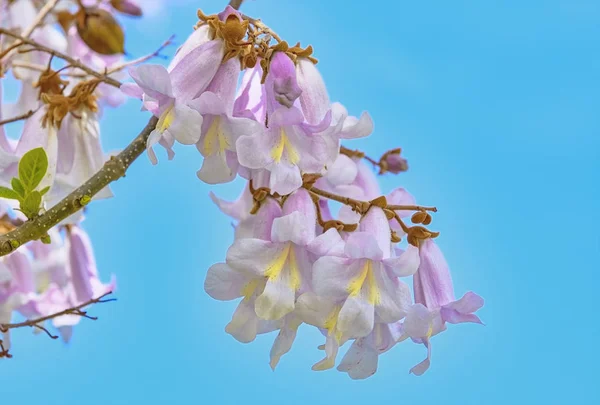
[67,62]
[42,279]
[292,261]
[254,107]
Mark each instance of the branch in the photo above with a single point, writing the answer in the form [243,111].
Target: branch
[67,58]
[18,118]
[40,17]
[34,323]
[142,59]
[236,4]
[112,170]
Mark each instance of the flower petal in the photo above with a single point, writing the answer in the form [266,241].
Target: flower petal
[224,284]
[256,256]
[406,263]
[187,124]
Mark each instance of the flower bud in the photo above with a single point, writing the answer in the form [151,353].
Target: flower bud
[100,31]
[392,162]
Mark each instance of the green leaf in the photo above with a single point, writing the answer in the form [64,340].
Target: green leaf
[32,168]
[32,204]
[44,190]
[8,193]
[18,187]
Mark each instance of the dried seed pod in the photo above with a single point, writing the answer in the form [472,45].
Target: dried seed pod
[395,237]
[126,7]
[100,31]
[418,217]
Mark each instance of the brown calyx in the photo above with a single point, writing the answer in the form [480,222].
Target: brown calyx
[58,105]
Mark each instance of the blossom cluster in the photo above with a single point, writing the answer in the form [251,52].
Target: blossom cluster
[291,261]
[62,108]
[257,108]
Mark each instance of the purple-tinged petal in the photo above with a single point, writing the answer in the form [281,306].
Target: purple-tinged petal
[406,263]
[154,80]
[400,196]
[132,90]
[295,227]
[224,83]
[224,284]
[256,256]
[314,98]
[195,40]
[362,245]
[377,225]
[83,264]
[285,178]
[282,75]
[432,284]
[329,243]
[360,361]
[423,366]
[194,72]
[332,276]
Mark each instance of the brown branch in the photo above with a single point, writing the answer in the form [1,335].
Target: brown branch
[18,118]
[35,323]
[74,63]
[236,4]
[112,170]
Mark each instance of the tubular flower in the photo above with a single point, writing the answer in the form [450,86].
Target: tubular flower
[435,303]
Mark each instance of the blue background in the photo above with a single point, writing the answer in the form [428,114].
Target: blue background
[496,105]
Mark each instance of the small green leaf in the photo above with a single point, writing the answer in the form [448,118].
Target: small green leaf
[18,187]
[46,239]
[32,204]
[44,190]
[32,168]
[8,193]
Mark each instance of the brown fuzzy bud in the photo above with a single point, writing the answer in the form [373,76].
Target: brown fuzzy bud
[418,217]
[100,31]
[427,219]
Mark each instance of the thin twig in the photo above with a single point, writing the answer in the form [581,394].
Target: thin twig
[35,323]
[236,4]
[40,68]
[18,117]
[44,11]
[142,59]
[67,58]
[112,170]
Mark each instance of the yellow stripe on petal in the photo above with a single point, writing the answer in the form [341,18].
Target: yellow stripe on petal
[331,323]
[165,120]
[284,145]
[215,140]
[250,287]
[274,269]
[295,278]
[373,294]
[356,284]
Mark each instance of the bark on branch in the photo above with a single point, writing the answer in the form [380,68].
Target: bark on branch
[112,170]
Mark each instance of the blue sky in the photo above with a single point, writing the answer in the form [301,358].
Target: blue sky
[495,105]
